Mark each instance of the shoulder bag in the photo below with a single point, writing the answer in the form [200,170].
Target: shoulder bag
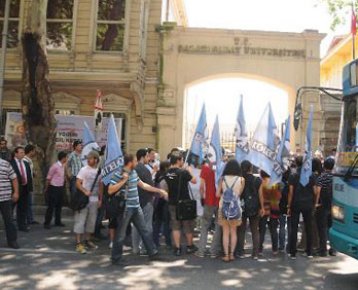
[80,199]
[185,208]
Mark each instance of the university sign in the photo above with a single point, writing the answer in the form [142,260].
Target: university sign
[241,47]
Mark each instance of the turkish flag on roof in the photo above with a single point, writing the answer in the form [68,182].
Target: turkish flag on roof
[354,22]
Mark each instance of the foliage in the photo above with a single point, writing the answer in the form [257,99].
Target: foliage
[340,10]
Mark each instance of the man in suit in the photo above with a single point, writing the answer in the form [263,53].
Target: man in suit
[24,177]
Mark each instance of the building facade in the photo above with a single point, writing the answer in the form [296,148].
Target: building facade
[110,45]
[339,54]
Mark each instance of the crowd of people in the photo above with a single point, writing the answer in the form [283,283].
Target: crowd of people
[141,203]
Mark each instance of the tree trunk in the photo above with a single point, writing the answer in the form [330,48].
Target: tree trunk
[38,107]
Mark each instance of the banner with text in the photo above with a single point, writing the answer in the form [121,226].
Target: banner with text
[69,129]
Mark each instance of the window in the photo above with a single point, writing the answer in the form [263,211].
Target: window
[110,25]
[13,29]
[59,24]
[65,112]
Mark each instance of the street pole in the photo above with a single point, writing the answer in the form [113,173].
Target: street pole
[3,55]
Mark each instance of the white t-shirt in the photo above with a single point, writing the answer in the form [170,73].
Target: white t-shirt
[196,191]
[88,174]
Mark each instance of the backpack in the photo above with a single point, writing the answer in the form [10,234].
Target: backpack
[231,208]
[250,196]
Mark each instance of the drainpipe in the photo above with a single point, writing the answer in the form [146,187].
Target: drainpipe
[3,55]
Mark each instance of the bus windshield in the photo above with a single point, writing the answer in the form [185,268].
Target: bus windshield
[347,141]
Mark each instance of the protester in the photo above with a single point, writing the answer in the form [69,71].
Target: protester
[24,176]
[74,164]
[128,178]
[5,153]
[323,206]
[152,164]
[145,199]
[283,219]
[250,198]
[55,190]
[30,152]
[9,193]
[89,183]
[211,203]
[178,180]
[270,197]
[316,172]
[161,219]
[102,209]
[300,201]
[229,190]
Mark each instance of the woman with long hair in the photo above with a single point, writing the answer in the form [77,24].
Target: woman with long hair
[231,183]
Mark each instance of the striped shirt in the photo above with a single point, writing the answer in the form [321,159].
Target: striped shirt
[74,163]
[7,174]
[131,188]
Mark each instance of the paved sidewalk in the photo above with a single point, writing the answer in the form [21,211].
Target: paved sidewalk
[47,260]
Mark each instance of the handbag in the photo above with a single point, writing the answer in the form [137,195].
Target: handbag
[116,204]
[80,199]
[186,208]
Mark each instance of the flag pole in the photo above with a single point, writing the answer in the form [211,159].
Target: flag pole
[354,30]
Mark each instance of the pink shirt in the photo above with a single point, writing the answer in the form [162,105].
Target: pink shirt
[56,174]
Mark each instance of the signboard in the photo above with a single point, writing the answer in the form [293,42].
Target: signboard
[69,129]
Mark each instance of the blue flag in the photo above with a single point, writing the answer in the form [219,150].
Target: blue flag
[283,154]
[114,155]
[89,143]
[215,144]
[264,144]
[306,170]
[199,144]
[242,138]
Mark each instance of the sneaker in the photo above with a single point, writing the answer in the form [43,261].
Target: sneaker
[199,254]
[308,255]
[275,253]
[255,257]
[332,252]
[214,256]
[293,257]
[110,246]
[80,248]
[191,249]
[90,245]
[177,252]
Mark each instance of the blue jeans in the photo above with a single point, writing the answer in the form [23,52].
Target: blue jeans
[134,215]
[137,243]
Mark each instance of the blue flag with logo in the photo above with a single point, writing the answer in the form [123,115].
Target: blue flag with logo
[216,146]
[89,143]
[199,144]
[306,170]
[283,153]
[242,138]
[264,144]
[114,155]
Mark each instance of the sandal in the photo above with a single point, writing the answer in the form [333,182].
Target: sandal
[226,258]
[232,257]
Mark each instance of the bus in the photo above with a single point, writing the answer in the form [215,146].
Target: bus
[344,231]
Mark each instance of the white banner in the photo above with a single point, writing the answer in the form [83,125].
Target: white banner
[69,129]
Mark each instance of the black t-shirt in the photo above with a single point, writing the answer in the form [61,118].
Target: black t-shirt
[144,175]
[303,196]
[173,177]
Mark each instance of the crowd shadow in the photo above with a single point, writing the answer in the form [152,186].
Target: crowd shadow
[48,260]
